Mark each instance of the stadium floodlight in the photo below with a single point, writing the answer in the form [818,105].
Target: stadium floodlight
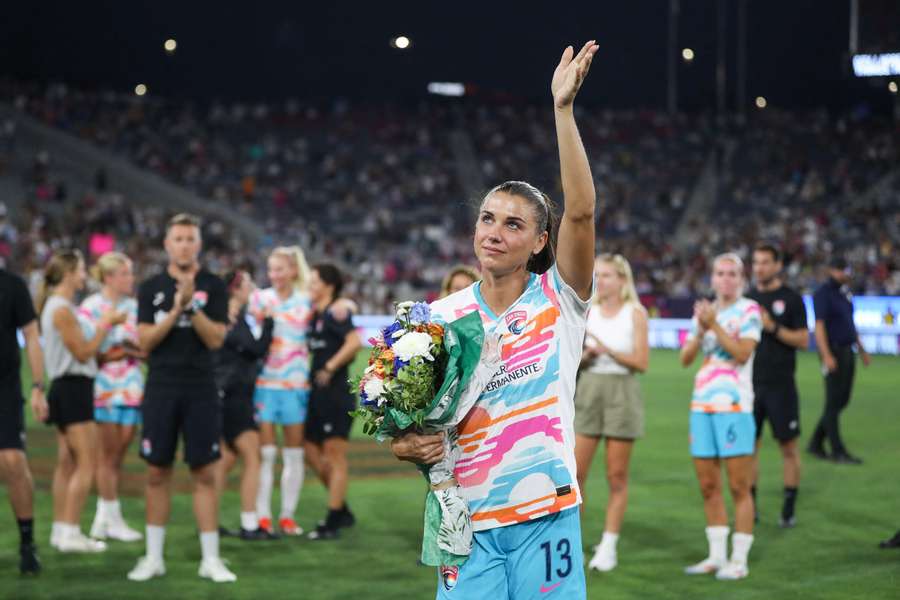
[401,42]
[892,87]
[446,88]
[170,45]
[876,65]
[761,102]
[140,89]
[687,54]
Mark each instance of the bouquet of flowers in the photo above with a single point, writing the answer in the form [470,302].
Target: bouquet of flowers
[427,376]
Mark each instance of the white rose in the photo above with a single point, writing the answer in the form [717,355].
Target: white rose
[414,343]
[374,388]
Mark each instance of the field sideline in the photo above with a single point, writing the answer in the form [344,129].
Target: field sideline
[843,511]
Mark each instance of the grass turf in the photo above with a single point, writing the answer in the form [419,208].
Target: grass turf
[842,512]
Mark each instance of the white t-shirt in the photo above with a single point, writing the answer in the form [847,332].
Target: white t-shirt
[518,461]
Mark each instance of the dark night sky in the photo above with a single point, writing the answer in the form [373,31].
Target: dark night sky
[797,50]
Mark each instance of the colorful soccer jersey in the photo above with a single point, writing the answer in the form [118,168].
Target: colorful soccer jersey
[287,364]
[118,383]
[517,461]
[721,384]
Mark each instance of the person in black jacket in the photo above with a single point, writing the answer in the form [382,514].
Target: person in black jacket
[236,365]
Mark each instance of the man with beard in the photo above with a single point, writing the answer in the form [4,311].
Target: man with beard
[784,332]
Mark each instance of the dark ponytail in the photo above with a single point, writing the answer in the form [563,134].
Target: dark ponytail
[545,215]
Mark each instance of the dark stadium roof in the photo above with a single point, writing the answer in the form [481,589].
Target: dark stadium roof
[796,52]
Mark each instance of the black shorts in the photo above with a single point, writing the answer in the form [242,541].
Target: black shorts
[192,409]
[238,414]
[71,400]
[329,413]
[779,403]
[12,414]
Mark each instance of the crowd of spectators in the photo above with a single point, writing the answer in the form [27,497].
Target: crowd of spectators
[381,189]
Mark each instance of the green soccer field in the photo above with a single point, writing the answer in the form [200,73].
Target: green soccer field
[842,512]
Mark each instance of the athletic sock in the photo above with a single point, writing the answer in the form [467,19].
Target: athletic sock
[156,539]
[333,519]
[56,531]
[26,531]
[717,536]
[291,481]
[209,544]
[266,479]
[109,510]
[249,521]
[790,499]
[609,540]
[740,547]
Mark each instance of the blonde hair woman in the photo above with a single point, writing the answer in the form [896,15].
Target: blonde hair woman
[71,367]
[458,278]
[608,400]
[281,396]
[723,429]
[118,389]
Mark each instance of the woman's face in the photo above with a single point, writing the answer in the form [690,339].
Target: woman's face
[282,272]
[318,289]
[121,280]
[727,279]
[506,234]
[609,282]
[243,291]
[460,281]
[78,277]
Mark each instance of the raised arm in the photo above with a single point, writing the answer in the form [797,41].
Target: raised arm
[575,246]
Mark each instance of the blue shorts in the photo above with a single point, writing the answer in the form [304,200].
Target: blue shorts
[282,407]
[722,435]
[538,559]
[118,415]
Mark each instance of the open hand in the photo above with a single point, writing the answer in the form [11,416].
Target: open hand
[570,74]
[39,407]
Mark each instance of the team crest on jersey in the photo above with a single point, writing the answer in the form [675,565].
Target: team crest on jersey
[449,575]
[159,298]
[778,307]
[200,298]
[146,448]
[515,321]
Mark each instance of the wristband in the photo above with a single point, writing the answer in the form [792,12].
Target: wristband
[191,310]
[37,386]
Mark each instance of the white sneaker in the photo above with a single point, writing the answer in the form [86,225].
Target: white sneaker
[98,528]
[54,540]
[78,542]
[147,568]
[704,567]
[732,571]
[604,559]
[215,569]
[119,530]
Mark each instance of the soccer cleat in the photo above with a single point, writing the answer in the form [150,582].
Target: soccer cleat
[346,519]
[147,568]
[80,543]
[787,522]
[323,533]
[225,532]
[289,527]
[266,523]
[257,534]
[29,564]
[706,566]
[215,569]
[732,571]
[604,559]
[817,451]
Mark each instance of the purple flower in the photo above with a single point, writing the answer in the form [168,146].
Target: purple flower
[420,313]
[399,364]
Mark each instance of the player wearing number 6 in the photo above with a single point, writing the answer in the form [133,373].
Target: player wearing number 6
[722,425]
[517,465]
